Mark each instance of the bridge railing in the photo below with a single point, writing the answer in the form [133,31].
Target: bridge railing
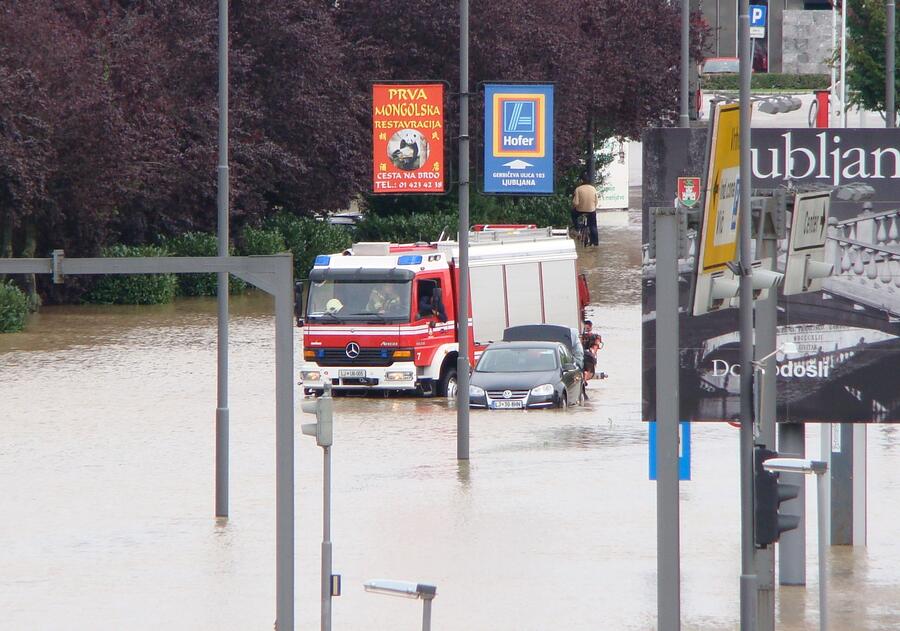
[865,251]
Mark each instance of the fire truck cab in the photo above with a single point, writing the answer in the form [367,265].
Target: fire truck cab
[382,316]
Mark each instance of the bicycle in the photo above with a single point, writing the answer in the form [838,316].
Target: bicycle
[581,233]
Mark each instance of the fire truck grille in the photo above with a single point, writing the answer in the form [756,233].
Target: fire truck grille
[366,357]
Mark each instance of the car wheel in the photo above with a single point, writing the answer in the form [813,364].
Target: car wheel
[563,401]
[449,384]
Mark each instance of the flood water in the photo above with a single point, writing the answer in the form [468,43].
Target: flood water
[107,477]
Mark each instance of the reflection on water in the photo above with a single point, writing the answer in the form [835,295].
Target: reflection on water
[106,462]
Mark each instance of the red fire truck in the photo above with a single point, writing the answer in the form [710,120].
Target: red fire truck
[382,316]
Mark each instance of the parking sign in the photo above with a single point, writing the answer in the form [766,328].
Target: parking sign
[757,21]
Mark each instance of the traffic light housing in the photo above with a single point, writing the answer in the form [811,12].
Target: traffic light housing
[323,408]
[770,493]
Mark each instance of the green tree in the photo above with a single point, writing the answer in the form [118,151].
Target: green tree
[866,24]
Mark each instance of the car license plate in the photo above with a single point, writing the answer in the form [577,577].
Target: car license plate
[506,405]
[355,373]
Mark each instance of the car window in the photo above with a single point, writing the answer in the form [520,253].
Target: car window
[518,359]
[564,356]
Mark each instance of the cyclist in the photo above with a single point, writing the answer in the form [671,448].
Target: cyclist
[584,203]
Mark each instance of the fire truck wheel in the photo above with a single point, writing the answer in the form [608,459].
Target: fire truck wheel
[448,384]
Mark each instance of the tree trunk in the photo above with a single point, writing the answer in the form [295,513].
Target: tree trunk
[30,247]
[592,154]
[5,238]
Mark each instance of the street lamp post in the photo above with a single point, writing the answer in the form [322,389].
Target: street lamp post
[406,589]
[819,468]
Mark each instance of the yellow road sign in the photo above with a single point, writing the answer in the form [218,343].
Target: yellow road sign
[718,243]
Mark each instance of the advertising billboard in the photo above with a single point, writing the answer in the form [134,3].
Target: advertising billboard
[845,327]
[408,138]
[518,139]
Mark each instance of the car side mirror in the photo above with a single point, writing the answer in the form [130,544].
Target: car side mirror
[568,367]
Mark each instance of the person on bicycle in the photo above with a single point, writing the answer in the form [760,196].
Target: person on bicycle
[584,203]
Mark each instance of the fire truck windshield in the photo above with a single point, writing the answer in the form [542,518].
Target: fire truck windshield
[359,301]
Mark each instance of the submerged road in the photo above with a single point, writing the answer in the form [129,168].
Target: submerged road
[106,462]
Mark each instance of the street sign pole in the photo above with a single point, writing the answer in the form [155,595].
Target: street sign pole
[668,574]
[222,412]
[748,575]
[462,311]
[766,343]
[685,60]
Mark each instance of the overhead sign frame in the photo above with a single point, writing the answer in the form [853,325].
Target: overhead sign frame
[408,150]
[806,266]
[721,210]
[518,143]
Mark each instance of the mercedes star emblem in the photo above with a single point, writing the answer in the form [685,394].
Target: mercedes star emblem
[352,350]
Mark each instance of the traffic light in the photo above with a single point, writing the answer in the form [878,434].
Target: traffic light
[769,495]
[322,407]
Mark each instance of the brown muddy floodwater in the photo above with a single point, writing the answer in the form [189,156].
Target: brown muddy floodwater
[106,510]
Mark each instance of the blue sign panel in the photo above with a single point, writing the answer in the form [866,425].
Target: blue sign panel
[684,450]
[757,15]
[518,139]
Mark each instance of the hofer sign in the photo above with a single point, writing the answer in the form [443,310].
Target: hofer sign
[408,138]
[518,139]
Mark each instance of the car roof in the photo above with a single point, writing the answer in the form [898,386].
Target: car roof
[524,344]
[539,332]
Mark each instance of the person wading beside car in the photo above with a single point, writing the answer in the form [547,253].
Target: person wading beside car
[584,202]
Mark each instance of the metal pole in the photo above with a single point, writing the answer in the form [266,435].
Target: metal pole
[748,576]
[668,573]
[766,343]
[222,291]
[844,65]
[326,539]
[426,614]
[823,559]
[834,44]
[792,544]
[284,443]
[890,86]
[462,311]
[685,61]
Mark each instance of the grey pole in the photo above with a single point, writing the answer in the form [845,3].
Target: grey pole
[668,575]
[685,61]
[222,347]
[748,576]
[766,334]
[890,87]
[284,444]
[792,544]
[426,614]
[823,560]
[462,307]
[326,539]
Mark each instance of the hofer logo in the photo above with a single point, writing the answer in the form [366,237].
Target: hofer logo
[519,125]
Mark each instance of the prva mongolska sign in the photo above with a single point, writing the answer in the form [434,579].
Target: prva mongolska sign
[847,335]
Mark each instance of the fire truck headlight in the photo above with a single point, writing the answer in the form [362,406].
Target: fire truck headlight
[398,376]
[311,375]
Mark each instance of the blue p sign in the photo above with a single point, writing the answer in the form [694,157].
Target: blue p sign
[757,15]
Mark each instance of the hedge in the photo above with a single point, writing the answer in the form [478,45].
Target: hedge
[307,238]
[199,244]
[139,289]
[13,308]
[768,81]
